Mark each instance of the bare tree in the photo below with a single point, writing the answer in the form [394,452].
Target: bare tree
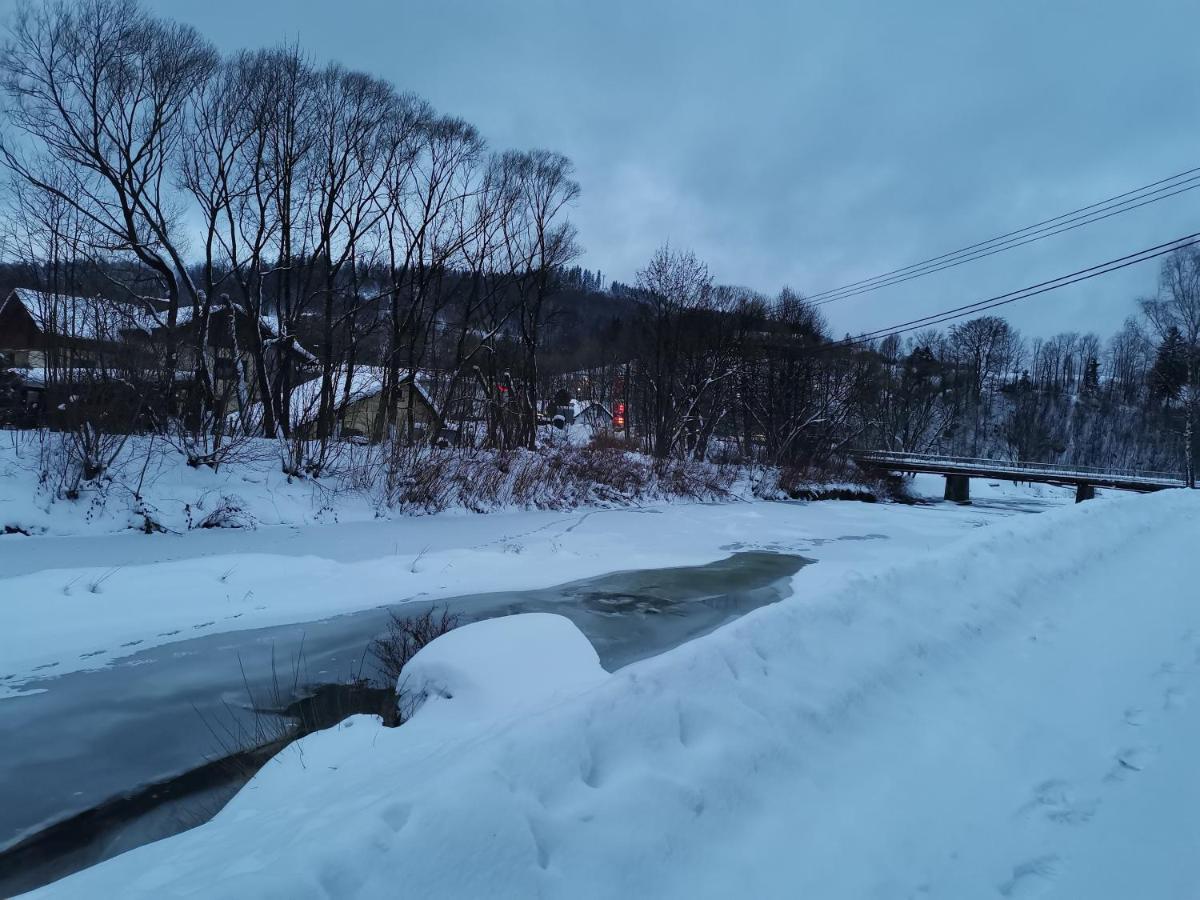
[98,91]
[485,311]
[673,286]
[252,136]
[539,242]
[426,197]
[355,149]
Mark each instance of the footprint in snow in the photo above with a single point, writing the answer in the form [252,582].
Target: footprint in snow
[90,655]
[131,643]
[168,633]
[1031,878]
[204,625]
[45,666]
[1173,697]
[1135,716]
[1056,801]
[396,815]
[1165,670]
[1129,761]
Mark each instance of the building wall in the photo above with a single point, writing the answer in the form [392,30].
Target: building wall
[361,417]
[18,333]
[25,359]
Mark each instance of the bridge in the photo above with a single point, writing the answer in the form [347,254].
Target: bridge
[959,471]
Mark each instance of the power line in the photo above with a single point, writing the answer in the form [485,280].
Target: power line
[1086,215]
[1043,287]
[1009,246]
[1020,231]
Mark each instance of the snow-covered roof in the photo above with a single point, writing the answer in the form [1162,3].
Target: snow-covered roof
[39,377]
[103,319]
[270,324]
[187,313]
[365,382]
[81,318]
[578,407]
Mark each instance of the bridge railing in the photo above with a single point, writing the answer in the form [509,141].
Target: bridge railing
[898,458]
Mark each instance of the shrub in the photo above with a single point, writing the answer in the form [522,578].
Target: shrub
[406,635]
[230,512]
[427,480]
[609,440]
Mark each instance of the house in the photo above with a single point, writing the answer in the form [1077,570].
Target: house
[229,341]
[358,405]
[40,330]
[64,348]
[594,415]
[57,339]
[565,410]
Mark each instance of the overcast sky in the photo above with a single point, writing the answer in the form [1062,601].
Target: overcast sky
[807,143]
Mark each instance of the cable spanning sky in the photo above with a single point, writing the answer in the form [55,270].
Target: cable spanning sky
[810,143]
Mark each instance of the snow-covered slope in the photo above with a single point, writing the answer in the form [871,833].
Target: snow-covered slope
[1012,718]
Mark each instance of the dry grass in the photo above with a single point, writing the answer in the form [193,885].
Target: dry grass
[428,480]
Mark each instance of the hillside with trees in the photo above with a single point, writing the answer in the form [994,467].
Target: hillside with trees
[254,228]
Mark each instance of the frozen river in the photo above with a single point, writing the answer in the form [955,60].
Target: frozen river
[128,660]
[90,736]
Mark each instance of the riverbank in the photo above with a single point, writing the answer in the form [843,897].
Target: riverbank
[1000,718]
[82,601]
[159,586]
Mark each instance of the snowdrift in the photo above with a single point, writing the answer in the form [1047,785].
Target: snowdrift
[977,724]
[496,670]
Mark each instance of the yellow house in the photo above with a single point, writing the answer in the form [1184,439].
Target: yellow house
[358,405]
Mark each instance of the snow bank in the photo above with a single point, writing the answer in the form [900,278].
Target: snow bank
[152,483]
[953,728]
[497,669]
[123,591]
[150,487]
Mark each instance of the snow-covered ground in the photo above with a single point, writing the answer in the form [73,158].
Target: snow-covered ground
[73,601]
[1004,714]
[276,587]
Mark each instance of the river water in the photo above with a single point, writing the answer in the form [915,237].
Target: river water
[89,737]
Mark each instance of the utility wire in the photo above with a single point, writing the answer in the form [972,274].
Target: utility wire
[1010,246]
[1019,231]
[1043,287]
[1095,212]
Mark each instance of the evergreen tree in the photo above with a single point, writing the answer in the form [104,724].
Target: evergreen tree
[1091,379]
[1169,373]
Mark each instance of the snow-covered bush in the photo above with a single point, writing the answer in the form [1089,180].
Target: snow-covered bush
[427,480]
[845,483]
[151,487]
[229,511]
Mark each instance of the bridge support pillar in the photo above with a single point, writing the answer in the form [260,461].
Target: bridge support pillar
[958,488]
[1085,491]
